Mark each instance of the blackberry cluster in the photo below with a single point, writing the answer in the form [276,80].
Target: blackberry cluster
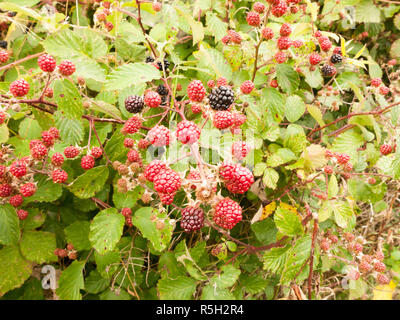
[3,44]
[149,59]
[221,98]
[328,71]
[192,219]
[134,104]
[162,90]
[336,58]
[166,64]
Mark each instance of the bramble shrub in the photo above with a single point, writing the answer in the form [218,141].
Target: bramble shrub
[199,149]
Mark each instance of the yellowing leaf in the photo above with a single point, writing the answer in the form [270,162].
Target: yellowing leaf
[288,207]
[268,210]
[384,292]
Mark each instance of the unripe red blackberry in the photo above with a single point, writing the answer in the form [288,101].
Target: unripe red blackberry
[196,91]
[109,26]
[298,43]
[325,245]
[285,30]
[28,189]
[71,152]
[253,18]
[342,158]
[22,214]
[134,104]
[129,142]
[247,87]
[57,159]
[96,152]
[157,6]
[348,167]
[3,117]
[143,144]
[227,213]
[167,181]
[16,200]
[5,190]
[382,279]
[18,169]
[87,162]
[326,45]
[328,169]
[376,82]
[196,108]
[284,43]
[59,176]
[153,169]
[192,219]
[279,8]
[225,39]
[328,71]
[126,212]
[19,88]
[166,198]
[267,33]
[133,155]
[159,136]
[238,119]
[193,175]
[152,99]
[3,170]
[240,149]
[47,138]
[337,50]
[222,81]
[357,247]
[280,57]
[4,56]
[132,125]
[317,34]
[273,83]
[379,255]
[383,90]
[353,274]
[259,7]
[221,98]
[379,266]
[66,68]
[241,180]
[349,236]
[333,238]
[371,180]
[314,58]
[386,149]
[49,93]
[187,132]
[54,132]
[222,119]
[364,266]
[234,36]
[47,63]
[39,151]
[211,84]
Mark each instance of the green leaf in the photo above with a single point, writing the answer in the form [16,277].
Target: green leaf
[275,259]
[265,231]
[108,263]
[94,283]
[342,213]
[68,98]
[29,129]
[333,187]
[287,78]
[89,183]
[212,293]
[126,199]
[274,101]
[131,73]
[47,191]
[214,61]
[71,130]
[106,230]
[9,225]
[77,233]
[270,178]
[71,282]
[216,26]
[14,269]
[4,133]
[253,283]
[227,278]
[348,142]
[367,12]
[38,246]
[180,288]
[316,113]
[158,238]
[288,222]
[294,108]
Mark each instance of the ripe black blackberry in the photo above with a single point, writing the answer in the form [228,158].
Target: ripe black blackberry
[149,59]
[336,58]
[166,64]
[3,44]
[328,71]
[221,98]
[192,219]
[134,104]
[162,90]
